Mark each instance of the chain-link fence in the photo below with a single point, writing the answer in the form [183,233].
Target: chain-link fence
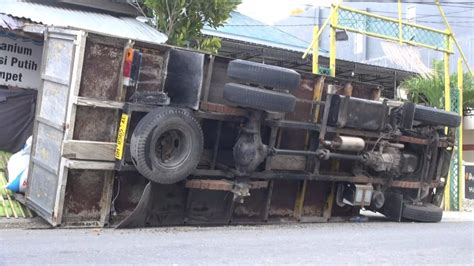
[454,169]
[388,28]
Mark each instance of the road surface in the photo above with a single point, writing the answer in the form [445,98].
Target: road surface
[335,243]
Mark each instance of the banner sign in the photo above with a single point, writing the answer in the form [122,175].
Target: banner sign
[469,182]
[20,61]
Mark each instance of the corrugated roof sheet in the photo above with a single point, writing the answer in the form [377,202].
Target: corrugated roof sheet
[10,23]
[122,27]
[243,28]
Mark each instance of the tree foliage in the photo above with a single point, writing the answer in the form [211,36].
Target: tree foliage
[182,20]
[430,89]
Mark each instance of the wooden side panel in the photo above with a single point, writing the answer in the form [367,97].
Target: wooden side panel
[100,80]
[315,198]
[90,150]
[283,199]
[96,124]
[86,197]
[101,73]
[88,192]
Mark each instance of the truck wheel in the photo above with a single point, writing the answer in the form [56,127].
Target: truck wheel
[263,75]
[433,116]
[166,145]
[267,100]
[422,213]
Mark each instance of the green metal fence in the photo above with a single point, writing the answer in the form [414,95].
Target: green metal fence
[386,28]
[454,168]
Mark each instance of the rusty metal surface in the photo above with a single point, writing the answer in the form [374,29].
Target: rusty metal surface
[159,205]
[315,196]
[252,208]
[151,70]
[128,189]
[207,207]
[102,70]
[296,138]
[218,79]
[83,195]
[224,185]
[414,184]
[103,62]
[224,109]
[96,124]
[283,199]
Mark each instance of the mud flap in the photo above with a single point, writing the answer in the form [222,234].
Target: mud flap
[392,209]
[138,218]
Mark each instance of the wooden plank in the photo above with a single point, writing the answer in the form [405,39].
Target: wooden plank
[89,150]
[85,101]
[80,44]
[90,165]
[106,199]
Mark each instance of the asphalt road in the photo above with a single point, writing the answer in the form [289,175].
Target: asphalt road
[448,242]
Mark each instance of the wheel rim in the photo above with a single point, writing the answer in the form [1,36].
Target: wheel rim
[171,148]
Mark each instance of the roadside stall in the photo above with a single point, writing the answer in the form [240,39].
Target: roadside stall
[20,62]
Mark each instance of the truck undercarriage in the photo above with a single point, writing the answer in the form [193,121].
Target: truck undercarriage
[259,143]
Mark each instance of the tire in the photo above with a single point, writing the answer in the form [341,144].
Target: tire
[267,100]
[422,213]
[433,116]
[263,75]
[166,145]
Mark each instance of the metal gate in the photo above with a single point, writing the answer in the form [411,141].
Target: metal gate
[61,73]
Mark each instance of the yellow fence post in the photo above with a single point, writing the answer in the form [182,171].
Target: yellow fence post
[315,50]
[332,44]
[443,15]
[400,33]
[460,149]
[447,107]
[333,11]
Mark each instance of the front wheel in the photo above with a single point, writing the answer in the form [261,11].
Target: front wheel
[425,212]
[166,145]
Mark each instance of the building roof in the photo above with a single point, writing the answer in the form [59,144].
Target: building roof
[243,28]
[100,23]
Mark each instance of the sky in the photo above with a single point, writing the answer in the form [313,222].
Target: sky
[271,11]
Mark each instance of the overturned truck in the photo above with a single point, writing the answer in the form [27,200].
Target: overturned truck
[176,137]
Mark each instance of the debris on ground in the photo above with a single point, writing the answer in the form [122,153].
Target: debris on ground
[468,205]
[9,207]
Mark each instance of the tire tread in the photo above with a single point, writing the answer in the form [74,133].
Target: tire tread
[267,100]
[263,75]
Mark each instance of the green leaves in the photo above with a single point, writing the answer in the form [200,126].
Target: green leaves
[183,20]
[430,90]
